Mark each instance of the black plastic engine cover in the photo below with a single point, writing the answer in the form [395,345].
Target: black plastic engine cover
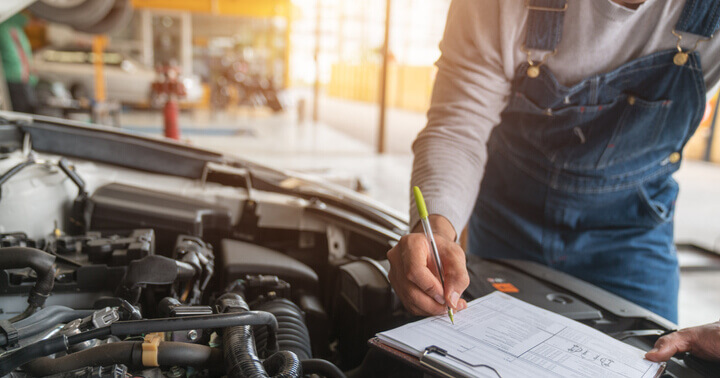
[118,207]
[241,259]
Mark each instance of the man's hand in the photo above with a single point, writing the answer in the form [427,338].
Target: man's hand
[413,274]
[703,342]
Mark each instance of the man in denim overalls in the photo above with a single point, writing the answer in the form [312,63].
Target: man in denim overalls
[554,131]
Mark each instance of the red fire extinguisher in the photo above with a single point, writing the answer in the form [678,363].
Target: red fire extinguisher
[170,87]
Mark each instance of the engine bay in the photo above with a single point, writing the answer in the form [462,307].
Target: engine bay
[121,256]
[135,281]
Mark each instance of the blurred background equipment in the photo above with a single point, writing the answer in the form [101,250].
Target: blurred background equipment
[16,58]
[169,89]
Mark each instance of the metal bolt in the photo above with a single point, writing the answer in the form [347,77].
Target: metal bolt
[192,335]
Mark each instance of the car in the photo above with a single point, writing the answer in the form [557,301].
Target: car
[124,255]
[127,80]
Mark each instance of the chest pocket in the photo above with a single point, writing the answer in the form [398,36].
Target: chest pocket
[580,137]
[638,131]
[567,136]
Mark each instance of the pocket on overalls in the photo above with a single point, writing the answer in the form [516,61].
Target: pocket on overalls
[658,201]
[563,133]
[637,132]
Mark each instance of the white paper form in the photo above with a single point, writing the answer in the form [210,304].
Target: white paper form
[520,340]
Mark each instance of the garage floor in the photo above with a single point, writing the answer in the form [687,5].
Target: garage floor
[340,149]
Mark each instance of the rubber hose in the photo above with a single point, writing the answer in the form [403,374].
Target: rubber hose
[283,364]
[241,357]
[14,170]
[56,344]
[293,334]
[43,320]
[321,367]
[128,353]
[44,266]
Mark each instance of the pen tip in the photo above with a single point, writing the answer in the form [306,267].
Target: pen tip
[450,314]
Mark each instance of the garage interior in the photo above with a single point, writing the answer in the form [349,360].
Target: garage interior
[331,90]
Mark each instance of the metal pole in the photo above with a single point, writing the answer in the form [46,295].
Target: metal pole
[318,36]
[711,134]
[288,41]
[98,48]
[383,81]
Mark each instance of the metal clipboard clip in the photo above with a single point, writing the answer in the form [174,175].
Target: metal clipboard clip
[445,370]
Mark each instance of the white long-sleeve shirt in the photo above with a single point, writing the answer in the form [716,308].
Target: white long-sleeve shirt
[481,50]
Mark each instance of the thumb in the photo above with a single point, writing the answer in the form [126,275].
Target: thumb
[668,346]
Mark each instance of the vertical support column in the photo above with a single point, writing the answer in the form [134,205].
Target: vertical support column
[98,46]
[318,37]
[288,40]
[186,58]
[146,35]
[383,80]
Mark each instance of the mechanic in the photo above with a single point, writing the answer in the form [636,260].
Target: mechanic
[573,114]
[702,342]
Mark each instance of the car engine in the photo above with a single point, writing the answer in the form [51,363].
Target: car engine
[135,282]
[125,256]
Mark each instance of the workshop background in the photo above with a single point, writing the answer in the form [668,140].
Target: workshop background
[336,88]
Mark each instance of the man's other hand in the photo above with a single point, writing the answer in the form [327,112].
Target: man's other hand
[703,342]
[413,274]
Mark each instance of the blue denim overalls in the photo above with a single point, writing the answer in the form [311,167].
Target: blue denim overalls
[580,178]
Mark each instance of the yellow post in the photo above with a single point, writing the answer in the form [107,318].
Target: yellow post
[98,45]
[286,55]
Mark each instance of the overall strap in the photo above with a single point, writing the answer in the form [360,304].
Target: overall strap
[545,23]
[699,17]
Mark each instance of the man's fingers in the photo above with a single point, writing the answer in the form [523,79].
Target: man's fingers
[418,273]
[421,304]
[668,346]
[454,272]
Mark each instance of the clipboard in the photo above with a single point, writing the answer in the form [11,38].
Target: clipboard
[425,362]
[502,336]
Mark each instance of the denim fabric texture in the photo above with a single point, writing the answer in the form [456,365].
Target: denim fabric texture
[580,178]
[700,17]
[544,28]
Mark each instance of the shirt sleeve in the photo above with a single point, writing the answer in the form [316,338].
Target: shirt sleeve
[470,92]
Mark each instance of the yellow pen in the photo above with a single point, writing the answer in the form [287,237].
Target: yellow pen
[422,210]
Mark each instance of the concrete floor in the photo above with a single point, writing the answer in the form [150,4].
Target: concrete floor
[341,148]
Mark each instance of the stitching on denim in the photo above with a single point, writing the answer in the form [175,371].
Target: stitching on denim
[647,203]
[715,15]
[587,186]
[622,126]
[687,10]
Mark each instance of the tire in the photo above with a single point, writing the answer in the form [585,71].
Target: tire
[87,13]
[119,17]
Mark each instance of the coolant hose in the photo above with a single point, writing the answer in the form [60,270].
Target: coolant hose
[129,353]
[44,266]
[241,357]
